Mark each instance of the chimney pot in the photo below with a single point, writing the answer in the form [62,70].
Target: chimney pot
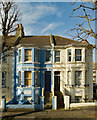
[17,25]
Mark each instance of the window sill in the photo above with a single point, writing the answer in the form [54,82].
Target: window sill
[28,62]
[48,62]
[28,87]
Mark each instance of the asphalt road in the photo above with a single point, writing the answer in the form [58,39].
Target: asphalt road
[82,113]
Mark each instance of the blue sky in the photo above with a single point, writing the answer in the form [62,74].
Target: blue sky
[45,18]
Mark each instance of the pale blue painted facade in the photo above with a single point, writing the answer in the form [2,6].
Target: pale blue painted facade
[32,66]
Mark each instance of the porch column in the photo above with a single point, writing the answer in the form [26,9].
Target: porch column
[54,104]
[52,82]
[83,83]
[22,78]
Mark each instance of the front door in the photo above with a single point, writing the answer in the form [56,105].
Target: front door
[57,81]
[47,81]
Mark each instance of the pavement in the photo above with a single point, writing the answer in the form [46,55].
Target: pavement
[81,113]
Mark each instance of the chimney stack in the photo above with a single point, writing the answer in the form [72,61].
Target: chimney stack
[19,30]
[51,40]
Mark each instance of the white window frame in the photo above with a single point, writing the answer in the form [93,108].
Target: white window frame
[3,79]
[78,55]
[28,55]
[46,55]
[58,56]
[78,80]
[69,55]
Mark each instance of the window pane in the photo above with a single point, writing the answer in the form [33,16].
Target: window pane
[57,53]
[78,58]
[28,55]
[57,73]
[78,51]
[69,58]
[3,79]
[48,55]
[28,80]
[69,55]
[57,59]
[78,55]
[78,77]
[69,52]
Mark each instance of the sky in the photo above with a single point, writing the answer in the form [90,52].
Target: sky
[45,18]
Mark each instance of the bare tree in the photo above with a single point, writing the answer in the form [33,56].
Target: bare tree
[85,29]
[9,15]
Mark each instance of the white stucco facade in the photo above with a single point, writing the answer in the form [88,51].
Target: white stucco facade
[85,89]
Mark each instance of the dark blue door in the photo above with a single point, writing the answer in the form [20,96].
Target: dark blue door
[47,81]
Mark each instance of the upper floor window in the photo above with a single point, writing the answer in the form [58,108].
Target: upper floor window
[19,55]
[78,77]
[48,56]
[69,55]
[28,55]
[3,79]
[57,56]
[36,55]
[78,54]
[28,78]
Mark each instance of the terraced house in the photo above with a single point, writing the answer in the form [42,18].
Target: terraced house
[51,66]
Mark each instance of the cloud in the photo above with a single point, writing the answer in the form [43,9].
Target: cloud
[32,13]
[51,26]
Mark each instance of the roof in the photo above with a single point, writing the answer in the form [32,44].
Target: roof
[45,40]
[41,40]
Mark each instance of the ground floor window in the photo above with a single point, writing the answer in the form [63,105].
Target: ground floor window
[3,79]
[28,78]
[78,77]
